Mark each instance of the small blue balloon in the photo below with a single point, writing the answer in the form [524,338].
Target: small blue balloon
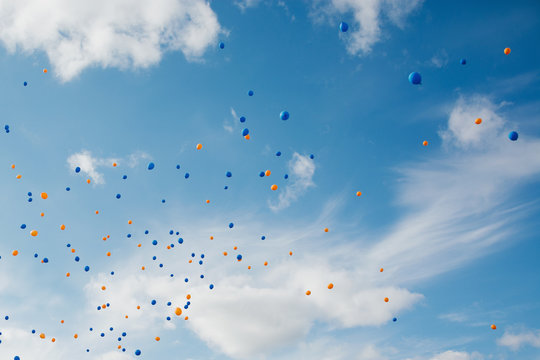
[286,176]
[311,156]
[228,174]
[180,241]
[462,62]
[187,175]
[243,119]
[77,169]
[221,45]
[394,319]
[177,167]
[238,257]
[163,201]
[250,93]
[29,193]
[151,166]
[343,27]
[154,242]
[23,226]
[118,196]
[25,83]
[226,187]
[513,135]
[284,115]
[415,78]
[153,302]
[231,225]
[146,232]
[124,177]
[261,174]
[278,153]
[45,260]
[263,237]
[245,132]
[137,352]
[68,188]
[87,268]
[29,199]
[211,286]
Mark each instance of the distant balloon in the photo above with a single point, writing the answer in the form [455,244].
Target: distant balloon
[118,196]
[25,83]
[478,121]
[77,169]
[274,187]
[513,135]
[250,93]
[33,232]
[330,286]
[284,115]
[278,153]
[243,119]
[386,299]
[221,45]
[312,156]
[415,78]
[286,176]
[187,175]
[245,132]
[44,195]
[507,51]
[199,146]
[425,143]
[228,174]
[239,257]
[394,319]
[462,62]
[231,225]
[493,326]
[261,174]
[343,27]
[151,166]
[211,286]
[137,352]
[358,193]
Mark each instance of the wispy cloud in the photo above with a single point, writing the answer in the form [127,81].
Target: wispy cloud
[440,59]
[458,355]
[366,29]
[516,340]
[245,4]
[113,33]
[302,169]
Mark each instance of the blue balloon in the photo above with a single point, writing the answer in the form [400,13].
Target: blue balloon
[228,174]
[243,119]
[286,176]
[261,174]
[513,135]
[250,93]
[163,201]
[394,319]
[462,62]
[118,196]
[177,166]
[77,258]
[35,255]
[415,78]
[45,260]
[221,45]
[87,268]
[186,279]
[343,27]
[68,188]
[238,257]
[187,175]
[211,286]
[16,357]
[153,302]
[231,225]
[29,193]
[263,237]
[137,352]
[284,115]
[23,226]
[180,241]
[77,169]
[124,177]
[29,199]
[154,242]
[151,166]
[146,232]
[25,83]
[226,187]
[278,153]
[311,156]
[245,132]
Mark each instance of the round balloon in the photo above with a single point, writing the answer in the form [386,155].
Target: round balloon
[343,27]
[284,115]
[513,135]
[415,78]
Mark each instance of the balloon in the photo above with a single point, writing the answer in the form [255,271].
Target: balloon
[267,173]
[273,187]
[343,27]
[278,153]
[211,286]
[154,302]
[462,62]
[242,119]
[124,177]
[23,226]
[425,143]
[151,166]
[286,176]
[261,174]
[137,352]
[245,132]
[77,169]
[177,167]
[311,156]
[199,146]
[394,319]
[330,286]
[358,193]
[239,257]
[87,268]
[154,242]
[118,196]
[507,51]
[493,326]
[284,115]
[228,174]
[415,78]
[325,229]
[308,292]
[187,175]
[44,195]
[25,83]
[478,121]
[385,299]
[221,45]
[263,237]
[231,225]
[33,232]
[513,135]
[250,93]
[15,253]
[381,270]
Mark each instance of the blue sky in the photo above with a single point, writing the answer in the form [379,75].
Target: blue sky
[453,224]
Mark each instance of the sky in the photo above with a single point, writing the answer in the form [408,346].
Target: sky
[453,224]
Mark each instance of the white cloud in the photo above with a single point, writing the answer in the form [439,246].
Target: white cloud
[516,341]
[462,130]
[107,33]
[457,355]
[302,169]
[245,4]
[454,317]
[90,165]
[440,59]
[368,16]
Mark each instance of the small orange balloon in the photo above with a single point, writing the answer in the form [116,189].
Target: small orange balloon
[75,336]
[103,288]
[273,187]
[478,121]
[386,299]
[61,321]
[108,253]
[267,173]
[381,270]
[42,335]
[290,253]
[325,229]
[114,164]
[88,181]
[247,137]
[18,176]
[507,51]
[178,311]
[208,201]
[33,232]
[73,251]
[224,253]
[68,274]
[249,267]
[235,248]
[15,253]
[42,214]
[358,193]
[13,166]
[45,71]
[308,292]
[493,326]
[190,261]
[330,286]
[211,238]
[62,227]
[130,222]
[157,338]
[97,212]
[266,263]
[188,296]
[142,268]
[187,317]
[138,307]
[138,245]
[425,143]
[53,339]
[44,195]
[199,146]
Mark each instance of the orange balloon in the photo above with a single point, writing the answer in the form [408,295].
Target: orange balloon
[308,292]
[247,137]
[290,253]
[33,232]
[61,321]
[273,187]
[325,229]
[224,253]
[75,336]
[330,286]
[42,335]
[267,173]
[13,166]
[97,212]
[211,238]
[138,245]
[44,195]
[73,251]
[507,51]
[425,143]
[103,288]
[187,317]
[178,311]
[381,270]
[199,146]
[44,71]
[358,193]
[493,326]
[266,263]
[114,164]
[157,338]
[88,181]
[68,274]
[142,268]
[15,253]
[249,267]
[478,121]
[108,253]
[42,214]
[386,299]
[188,296]
[208,201]
[62,227]
[18,176]
[130,222]
[53,339]
[138,307]
[235,248]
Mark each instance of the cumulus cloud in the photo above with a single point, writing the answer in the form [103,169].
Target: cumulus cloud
[516,340]
[90,165]
[107,33]
[368,17]
[302,169]
[462,130]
